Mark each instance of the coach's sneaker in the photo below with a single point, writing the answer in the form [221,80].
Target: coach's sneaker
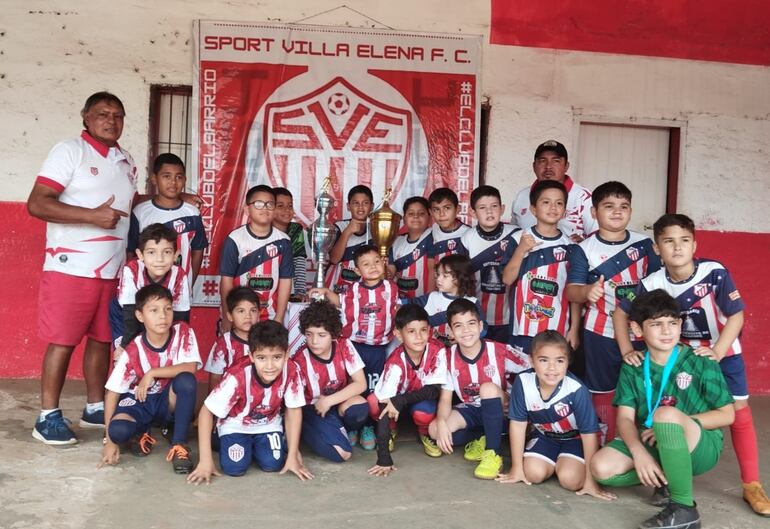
[755,496]
[475,449]
[430,447]
[490,466]
[92,420]
[368,438]
[674,516]
[660,497]
[179,456]
[53,429]
[353,437]
[143,446]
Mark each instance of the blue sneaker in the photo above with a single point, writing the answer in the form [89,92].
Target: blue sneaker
[54,430]
[353,437]
[368,438]
[93,420]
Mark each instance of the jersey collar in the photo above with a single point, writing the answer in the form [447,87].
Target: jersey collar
[491,235]
[160,349]
[98,146]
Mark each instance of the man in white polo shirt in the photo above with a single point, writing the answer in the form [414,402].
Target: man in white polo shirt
[551,163]
[84,193]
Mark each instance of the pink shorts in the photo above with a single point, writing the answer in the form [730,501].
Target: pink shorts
[70,307]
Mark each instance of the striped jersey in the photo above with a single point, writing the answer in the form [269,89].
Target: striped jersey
[340,276]
[140,356]
[185,220]
[258,262]
[622,263]
[226,350]
[446,242]
[135,276]
[489,252]
[324,377]
[706,299]
[401,375]
[245,404]
[566,414]
[539,302]
[411,259]
[435,304]
[368,312]
[493,363]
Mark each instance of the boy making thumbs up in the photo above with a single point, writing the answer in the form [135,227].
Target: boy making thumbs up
[606,267]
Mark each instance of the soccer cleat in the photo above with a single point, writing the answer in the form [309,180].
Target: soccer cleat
[94,420]
[490,466]
[475,449]
[180,459]
[660,497]
[143,446]
[353,437]
[430,447]
[392,440]
[368,439]
[674,516]
[755,496]
[54,430]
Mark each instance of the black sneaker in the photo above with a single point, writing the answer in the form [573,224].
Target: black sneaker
[661,497]
[179,456]
[674,516]
[142,446]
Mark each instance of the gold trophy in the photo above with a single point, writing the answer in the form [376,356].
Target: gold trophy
[384,225]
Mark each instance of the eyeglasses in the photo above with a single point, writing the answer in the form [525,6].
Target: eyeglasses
[261,204]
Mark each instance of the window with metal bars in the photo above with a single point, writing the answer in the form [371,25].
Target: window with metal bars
[171,122]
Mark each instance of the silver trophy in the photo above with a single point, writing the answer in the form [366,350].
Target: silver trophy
[322,233]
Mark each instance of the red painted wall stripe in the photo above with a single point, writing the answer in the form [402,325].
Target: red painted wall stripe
[708,30]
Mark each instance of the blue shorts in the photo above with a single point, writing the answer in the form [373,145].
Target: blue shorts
[322,434]
[238,450]
[152,412]
[734,371]
[373,357]
[603,361]
[473,419]
[549,450]
[520,343]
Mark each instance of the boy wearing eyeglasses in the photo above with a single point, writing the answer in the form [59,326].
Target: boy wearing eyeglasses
[259,257]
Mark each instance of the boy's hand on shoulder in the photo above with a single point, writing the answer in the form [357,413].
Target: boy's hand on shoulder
[596,290]
[709,353]
[383,471]
[590,488]
[390,411]
[633,357]
[110,454]
[295,465]
[140,391]
[648,470]
[203,473]
[516,475]
[192,198]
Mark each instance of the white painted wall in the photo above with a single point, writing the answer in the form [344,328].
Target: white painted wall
[52,57]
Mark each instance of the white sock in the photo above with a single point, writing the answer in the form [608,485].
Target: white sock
[43,413]
[92,407]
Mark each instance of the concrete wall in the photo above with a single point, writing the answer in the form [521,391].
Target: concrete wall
[52,58]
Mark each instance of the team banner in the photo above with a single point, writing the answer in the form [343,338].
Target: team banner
[289,105]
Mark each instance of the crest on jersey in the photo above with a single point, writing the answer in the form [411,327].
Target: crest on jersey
[236,453]
[451,244]
[734,295]
[179,226]
[559,253]
[701,289]
[683,380]
[416,254]
[272,250]
[632,253]
[125,403]
[561,409]
[503,244]
[94,171]
[490,370]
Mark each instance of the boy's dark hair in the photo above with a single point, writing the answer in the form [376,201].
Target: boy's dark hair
[549,337]
[156,232]
[360,189]
[282,192]
[443,193]
[363,250]
[98,97]
[268,334]
[409,313]
[261,188]
[460,267]
[672,219]
[416,200]
[164,159]
[653,304]
[239,294]
[321,314]
[149,292]
[461,306]
[610,189]
[541,185]
[484,191]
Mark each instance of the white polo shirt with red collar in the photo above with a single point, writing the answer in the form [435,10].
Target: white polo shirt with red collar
[577,219]
[87,173]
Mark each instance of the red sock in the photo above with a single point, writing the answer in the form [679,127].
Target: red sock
[606,412]
[745,445]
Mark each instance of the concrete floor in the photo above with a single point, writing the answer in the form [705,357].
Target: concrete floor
[43,487]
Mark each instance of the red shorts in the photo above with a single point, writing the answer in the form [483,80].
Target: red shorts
[70,307]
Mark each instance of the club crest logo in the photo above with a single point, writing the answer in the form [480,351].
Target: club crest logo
[503,245]
[95,171]
[490,371]
[179,226]
[559,253]
[451,244]
[562,409]
[683,380]
[236,452]
[416,254]
[125,403]
[272,250]
[632,253]
[701,289]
